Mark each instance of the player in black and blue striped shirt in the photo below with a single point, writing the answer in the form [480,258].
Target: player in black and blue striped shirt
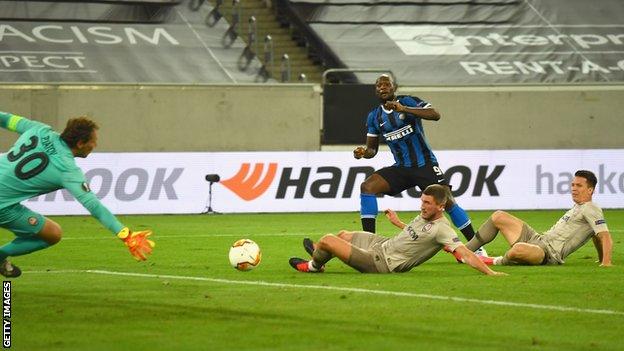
[399,120]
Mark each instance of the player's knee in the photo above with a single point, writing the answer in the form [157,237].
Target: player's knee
[498,216]
[366,188]
[519,253]
[325,242]
[52,233]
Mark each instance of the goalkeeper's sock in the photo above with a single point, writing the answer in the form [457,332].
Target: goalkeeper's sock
[460,219]
[22,246]
[486,233]
[368,211]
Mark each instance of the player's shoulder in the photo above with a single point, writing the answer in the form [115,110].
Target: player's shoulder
[591,206]
[410,100]
[374,111]
[407,98]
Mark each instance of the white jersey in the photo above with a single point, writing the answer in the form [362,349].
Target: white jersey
[575,228]
[418,242]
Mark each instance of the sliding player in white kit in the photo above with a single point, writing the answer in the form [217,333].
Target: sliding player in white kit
[582,222]
[419,240]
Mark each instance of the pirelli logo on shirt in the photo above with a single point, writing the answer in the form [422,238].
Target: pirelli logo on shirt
[398,134]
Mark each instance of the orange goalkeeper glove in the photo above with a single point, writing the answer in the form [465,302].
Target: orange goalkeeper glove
[137,242]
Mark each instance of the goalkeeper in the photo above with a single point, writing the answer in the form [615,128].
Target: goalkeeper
[42,161]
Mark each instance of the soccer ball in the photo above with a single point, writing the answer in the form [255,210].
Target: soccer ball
[245,255]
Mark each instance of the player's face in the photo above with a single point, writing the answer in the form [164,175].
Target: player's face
[429,209]
[84,149]
[581,192]
[384,88]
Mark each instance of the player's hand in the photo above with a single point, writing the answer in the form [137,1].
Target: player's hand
[137,242]
[394,218]
[498,273]
[393,105]
[359,152]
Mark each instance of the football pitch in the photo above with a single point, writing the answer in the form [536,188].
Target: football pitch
[87,293]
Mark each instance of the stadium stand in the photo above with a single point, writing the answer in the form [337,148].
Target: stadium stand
[142,42]
[274,20]
[471,42]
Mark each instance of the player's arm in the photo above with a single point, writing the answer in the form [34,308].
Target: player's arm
[372,145]
[394,219]
[137,242]
[17,123]
[602,239]
[471,259]
[604,247]
[426,112]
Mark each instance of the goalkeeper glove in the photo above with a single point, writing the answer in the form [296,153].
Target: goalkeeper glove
[137,242]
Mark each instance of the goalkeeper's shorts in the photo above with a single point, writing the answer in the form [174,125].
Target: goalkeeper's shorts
[21,220]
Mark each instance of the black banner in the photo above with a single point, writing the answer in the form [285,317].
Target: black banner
[345,108]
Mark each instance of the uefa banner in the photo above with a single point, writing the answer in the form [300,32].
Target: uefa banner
[144,183]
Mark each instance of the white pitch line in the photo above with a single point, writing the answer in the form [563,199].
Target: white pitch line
[174,236]
[105,237]
[345,289]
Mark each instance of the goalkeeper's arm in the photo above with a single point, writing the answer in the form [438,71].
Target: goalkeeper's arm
[137,242]
[17,123]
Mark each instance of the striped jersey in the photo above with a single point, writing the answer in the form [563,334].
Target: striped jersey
[403,132]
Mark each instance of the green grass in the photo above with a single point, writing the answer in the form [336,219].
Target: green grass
[86,311]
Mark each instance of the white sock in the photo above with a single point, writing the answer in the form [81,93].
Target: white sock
[311,267]
[497,260]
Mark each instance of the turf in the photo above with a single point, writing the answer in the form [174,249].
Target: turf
[58,306]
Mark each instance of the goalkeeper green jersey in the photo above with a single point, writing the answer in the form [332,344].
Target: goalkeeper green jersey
[41,162]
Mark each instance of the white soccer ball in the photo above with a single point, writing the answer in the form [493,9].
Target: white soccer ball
[245,255]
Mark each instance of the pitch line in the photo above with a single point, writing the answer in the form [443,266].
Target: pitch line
[106,237]
[156,236]
[345,289]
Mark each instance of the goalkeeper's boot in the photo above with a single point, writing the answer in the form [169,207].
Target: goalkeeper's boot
[455,254]
[9,270]
[308,245]
[304,266]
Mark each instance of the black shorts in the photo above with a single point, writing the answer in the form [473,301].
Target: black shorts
[402,178]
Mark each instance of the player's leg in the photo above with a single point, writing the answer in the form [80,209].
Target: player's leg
[328,246]
[373,185]
[522,253]
[510,226]
[309,245]
[34,232]
[459,217]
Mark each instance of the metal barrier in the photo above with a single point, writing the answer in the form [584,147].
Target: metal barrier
[285,68]
[266,71]
[214,15]
[252,41]
[232,31]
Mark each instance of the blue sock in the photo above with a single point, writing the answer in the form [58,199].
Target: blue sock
[368,211]
[368,206]
[22,246]
[459,217]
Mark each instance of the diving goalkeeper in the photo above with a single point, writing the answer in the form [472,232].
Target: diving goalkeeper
[42,161]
